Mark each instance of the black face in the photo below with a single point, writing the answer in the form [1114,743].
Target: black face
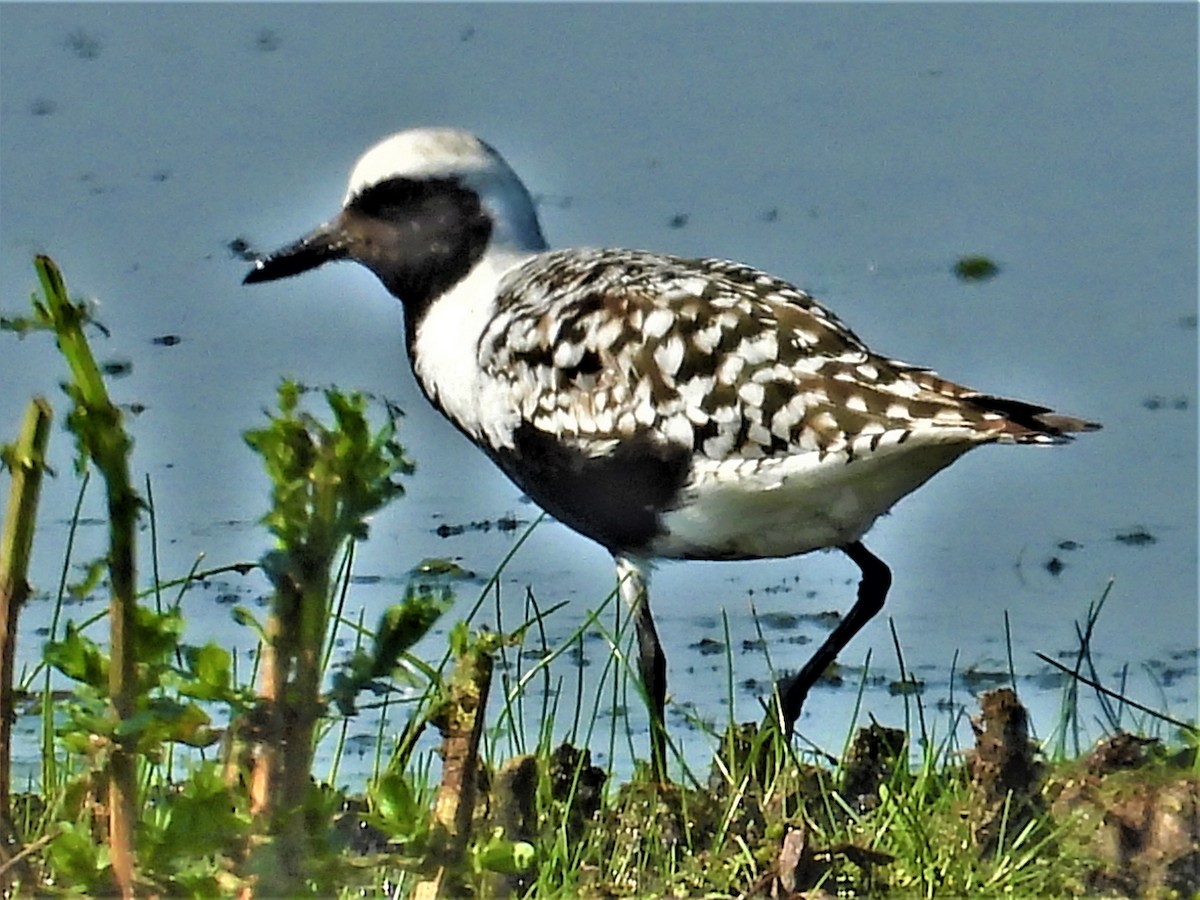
[420,237]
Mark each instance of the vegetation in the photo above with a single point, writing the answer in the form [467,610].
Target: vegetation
[169,773]
[974,267]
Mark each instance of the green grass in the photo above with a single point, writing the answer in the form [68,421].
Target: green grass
[210,818]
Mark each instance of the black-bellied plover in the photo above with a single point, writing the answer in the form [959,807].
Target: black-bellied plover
[664,407]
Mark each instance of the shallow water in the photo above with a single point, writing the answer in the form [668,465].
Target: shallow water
[856,150]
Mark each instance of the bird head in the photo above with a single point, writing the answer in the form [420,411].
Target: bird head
[423,207]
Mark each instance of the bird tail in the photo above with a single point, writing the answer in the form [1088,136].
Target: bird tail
[1028,423]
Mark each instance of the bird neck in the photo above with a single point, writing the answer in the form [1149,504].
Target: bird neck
[443,342]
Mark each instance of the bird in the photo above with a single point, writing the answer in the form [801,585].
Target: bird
[665,407]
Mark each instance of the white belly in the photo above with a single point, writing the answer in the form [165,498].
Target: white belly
[795,504]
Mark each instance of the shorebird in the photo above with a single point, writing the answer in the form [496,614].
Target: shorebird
[663,407]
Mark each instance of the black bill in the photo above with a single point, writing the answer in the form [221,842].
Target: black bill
[325,244]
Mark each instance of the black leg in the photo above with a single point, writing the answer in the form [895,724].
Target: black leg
[872,590]
[652,662]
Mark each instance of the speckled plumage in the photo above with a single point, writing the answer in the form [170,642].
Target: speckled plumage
[753,379]
[665,407]
[727,360]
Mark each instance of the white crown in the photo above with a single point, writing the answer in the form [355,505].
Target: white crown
[426,153]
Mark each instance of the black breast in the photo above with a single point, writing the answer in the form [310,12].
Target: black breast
[617,499]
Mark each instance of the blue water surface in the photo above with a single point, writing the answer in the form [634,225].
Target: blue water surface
[857,150]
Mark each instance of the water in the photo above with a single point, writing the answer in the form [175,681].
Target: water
[855,150]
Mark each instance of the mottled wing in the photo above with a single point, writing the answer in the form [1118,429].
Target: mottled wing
[601,347]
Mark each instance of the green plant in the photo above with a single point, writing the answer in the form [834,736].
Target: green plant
[102,441]
[325,481]
[26,461]
[147,691]
[768,820]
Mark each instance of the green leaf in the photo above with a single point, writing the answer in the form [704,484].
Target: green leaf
[156,635]
[92,574]
[166,719]
[243,616]
[22,325]
[212,668]
[77,860]
[459,638]
[393,801]
[203,817]
[78,658]
[87,717]
[504,856]
[402,625]
[439,568]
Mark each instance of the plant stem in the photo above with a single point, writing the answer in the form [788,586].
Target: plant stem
[97,423]
[460,720]
[291,677]
[27,462]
